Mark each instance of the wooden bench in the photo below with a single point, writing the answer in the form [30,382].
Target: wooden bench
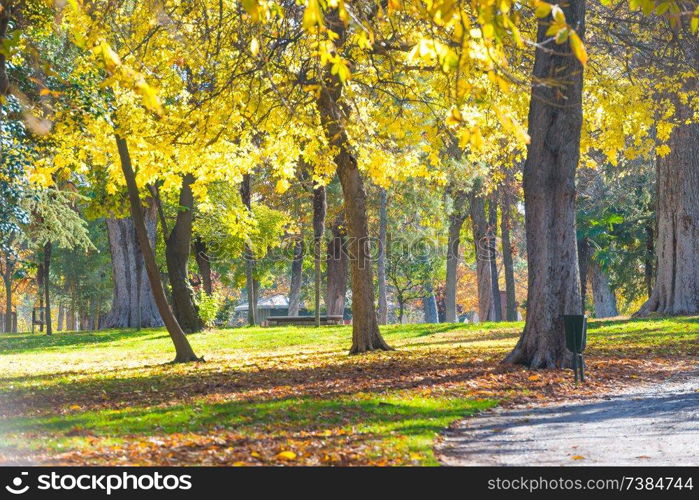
[304,320]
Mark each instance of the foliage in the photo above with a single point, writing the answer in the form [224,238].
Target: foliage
[209,307]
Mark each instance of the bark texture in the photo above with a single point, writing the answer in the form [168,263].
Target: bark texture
[602,294]
[492,252]
[584,258]
[336,267]
[5,13]
[177,248]
[133,304]
[555,121]
[381,261]
[48,248]
[183,350]
[320,209]
[429,305]
[507,251]
[365,328]
[676,290]
[456,221]
[479,224]
[201,255]
[245,194]
[296,278]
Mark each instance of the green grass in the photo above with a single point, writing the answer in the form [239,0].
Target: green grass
[267,389]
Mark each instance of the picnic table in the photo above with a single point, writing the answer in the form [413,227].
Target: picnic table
[304,320]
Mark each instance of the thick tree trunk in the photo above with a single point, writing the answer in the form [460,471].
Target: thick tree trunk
[602,294]
[336,265]
[381,261]
[320,208]
[365,328]
[204,264]
[456,222]
[183,349]
[177,249]
[133,304]
[429,306]
[246,194]
[48,247]
[555,122]
[492,251]
[507,251]
[676,290]
[296,278]
[483,273]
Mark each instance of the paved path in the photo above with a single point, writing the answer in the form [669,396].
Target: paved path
[651,425]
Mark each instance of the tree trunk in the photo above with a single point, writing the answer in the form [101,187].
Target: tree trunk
[483,273]
[177,248]
[507,251]
[381,262]
[204,265]
[40,290]
[676,290]
[61,317]
[70,318]
[456,222]
[183,349]
[555,121]
[584,258]
[7,279]
[649,259]
[602,294]
[492,252]
[133,304]
[47,288]
[93,314]
[336,264]
[296,278]
[320,208]
[5,12]
[365,328]
[245,194]
[429,306]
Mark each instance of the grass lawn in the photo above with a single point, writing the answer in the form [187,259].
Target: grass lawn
[291,395]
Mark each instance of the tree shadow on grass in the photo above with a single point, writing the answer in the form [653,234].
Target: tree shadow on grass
[277,415]
[24,343]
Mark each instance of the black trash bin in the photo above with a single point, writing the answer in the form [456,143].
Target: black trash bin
[576,341]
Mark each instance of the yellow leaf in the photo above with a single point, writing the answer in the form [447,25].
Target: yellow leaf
[534,377]
[542,9]
[454,117]
[578,457]
[558,14]
[254,46]
[578,48]
[286,455]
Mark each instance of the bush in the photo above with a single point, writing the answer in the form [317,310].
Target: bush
[209,307]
